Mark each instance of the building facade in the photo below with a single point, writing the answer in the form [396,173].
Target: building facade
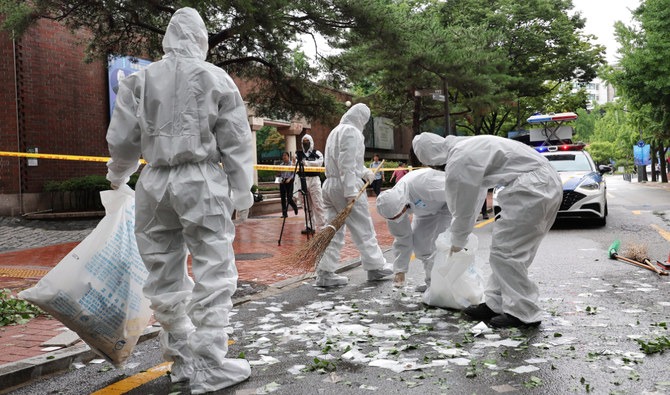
[52,102]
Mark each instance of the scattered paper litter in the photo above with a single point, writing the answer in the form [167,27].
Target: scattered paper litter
[367,387]
[492,336]
[397,366]
[535,360]
[451,352]
[524,369]
[425,320]
[664,303]
[633,311]
[272,387]
[48,349]
[563,341]
[78,365]
[273,309]
[480,329]
[332,378]
[460,361]
[296,369]
[265,360]
[504,388]
[96,361]
[355,355]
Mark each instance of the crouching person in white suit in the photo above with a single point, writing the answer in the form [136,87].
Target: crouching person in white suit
[529,203]
[421,193]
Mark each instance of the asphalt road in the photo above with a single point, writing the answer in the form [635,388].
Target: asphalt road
[370,337]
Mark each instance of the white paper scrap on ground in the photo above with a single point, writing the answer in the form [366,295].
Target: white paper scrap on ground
[347,330]
[48,349]
[563,341]
[460,361]
[425,320]
[296,369]
[451,352]
[480,329]
[96,361]
[272,387]
[332,378]
[265,360]
[355,356]
[524,369]
[367,387]
[397,366]
[535,360]
[78,365]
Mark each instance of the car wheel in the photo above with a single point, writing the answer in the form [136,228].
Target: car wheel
[600,221]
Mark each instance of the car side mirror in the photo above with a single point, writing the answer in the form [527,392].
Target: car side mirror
[605,169]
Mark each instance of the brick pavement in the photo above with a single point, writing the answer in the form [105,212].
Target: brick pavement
[37,246]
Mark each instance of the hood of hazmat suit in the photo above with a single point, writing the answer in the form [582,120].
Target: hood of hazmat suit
[187,119]
[392,201]
[345,150]
[311,143]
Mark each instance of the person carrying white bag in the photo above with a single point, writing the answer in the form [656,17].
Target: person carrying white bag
[186,118]
[529,203]
[103,303]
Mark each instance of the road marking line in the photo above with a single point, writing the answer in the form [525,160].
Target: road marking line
[132,382]
[125,385]
[636,212]
[664,233]
[479,225]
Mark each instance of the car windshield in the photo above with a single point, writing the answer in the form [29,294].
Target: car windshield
[570,162]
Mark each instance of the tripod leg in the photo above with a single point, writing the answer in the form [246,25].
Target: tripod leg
[283,222]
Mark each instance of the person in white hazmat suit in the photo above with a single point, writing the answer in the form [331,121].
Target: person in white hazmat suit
[313,158]
[345,148]
[421,193]
[529,203]
[184,116]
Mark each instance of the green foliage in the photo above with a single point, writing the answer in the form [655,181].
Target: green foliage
[252,39]
[320,366]
[661,344]
[273,140]
[94,183]
[15,311]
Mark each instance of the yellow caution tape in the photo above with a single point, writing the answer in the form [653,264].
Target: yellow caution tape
[106,159]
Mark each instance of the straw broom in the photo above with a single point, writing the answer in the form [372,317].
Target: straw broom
[310,254]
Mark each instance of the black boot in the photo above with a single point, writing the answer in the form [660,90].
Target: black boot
[505,320]
[480,312]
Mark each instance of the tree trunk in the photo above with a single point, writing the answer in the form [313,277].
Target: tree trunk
[652,154]
[416,128]
[663,163]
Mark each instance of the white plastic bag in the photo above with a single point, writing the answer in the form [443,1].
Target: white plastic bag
[454,282]
[96,290]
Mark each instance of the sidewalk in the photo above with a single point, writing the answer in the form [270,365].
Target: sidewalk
[260,263]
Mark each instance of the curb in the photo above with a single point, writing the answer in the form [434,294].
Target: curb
[17,374]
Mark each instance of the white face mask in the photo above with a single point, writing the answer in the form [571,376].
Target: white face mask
[399,218]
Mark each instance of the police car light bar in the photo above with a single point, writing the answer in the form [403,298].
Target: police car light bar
[539,118]
[564,147]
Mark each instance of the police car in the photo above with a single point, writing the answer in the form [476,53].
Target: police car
[584,187]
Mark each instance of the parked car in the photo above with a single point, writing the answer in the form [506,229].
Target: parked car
[584,187]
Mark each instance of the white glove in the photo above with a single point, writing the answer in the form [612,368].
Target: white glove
[241,216]
[454,250]
[369,176]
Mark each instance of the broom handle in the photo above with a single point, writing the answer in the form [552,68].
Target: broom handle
[350,205]
[651,265]
[642,265]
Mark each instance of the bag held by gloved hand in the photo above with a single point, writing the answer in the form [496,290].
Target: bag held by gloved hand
[454,282]
[96,290]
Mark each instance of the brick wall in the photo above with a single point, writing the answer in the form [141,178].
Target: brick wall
[63,106]
[9,180]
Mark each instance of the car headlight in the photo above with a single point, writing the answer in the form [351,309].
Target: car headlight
[590,185]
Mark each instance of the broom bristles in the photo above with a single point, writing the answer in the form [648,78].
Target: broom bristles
[308,256]
[636,251]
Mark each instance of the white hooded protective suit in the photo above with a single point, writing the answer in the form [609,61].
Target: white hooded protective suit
[314,159]
[529,203]
[184,116]
[423,192]
[345,149]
